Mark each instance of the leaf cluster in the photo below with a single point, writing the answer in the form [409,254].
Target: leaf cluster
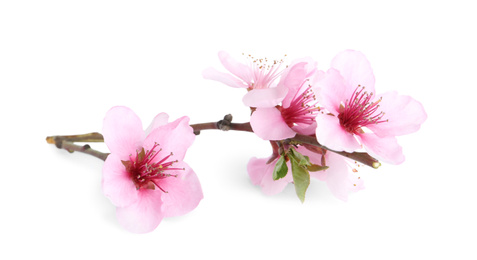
[300,169]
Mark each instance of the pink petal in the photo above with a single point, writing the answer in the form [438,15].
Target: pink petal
[306,65]
[122,131]
[333,90]
[144,215]
[404,113]
[240,70]
[159,120]
[183,192]
[293,77]
[256,169]
[225,78]
[305,129]
[117,184]
[175,137]
[337,176]
[356,183]
[261,174]
[385,149]
[330,134]
[355,69]
[268,124]
[266,97]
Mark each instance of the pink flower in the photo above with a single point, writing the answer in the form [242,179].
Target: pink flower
[298,108]
[359,117]
[339,177]
[258,77]
[145,176]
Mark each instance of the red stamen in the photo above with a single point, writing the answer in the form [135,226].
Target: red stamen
[359,111]
[302,109]
[147,174]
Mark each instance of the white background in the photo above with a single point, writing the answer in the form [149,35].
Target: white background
[63,64]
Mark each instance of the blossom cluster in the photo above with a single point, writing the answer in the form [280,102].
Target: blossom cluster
[339,107]
[147,180]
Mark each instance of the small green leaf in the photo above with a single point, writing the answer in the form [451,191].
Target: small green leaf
[300,158]
[316,168]
[305,161]
[301,178]
[281,169]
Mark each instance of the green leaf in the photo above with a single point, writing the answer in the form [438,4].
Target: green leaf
[305,161]
[300,158]
[301,178]
[281,169]
[316,168]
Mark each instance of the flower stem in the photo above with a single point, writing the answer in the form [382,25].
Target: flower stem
[66,141]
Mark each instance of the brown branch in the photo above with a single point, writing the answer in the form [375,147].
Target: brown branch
[361,157]
[90,137]
[66,141]
[70,147]
[226,124]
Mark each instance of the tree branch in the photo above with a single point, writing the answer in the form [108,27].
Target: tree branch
[70,147]
[66,141]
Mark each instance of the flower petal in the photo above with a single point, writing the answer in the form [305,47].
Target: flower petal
[117,184]
[405,115]
[144,215]
[355,69]
[261,174]
[183,192]
[266,97]
[294,77]
[240,70]
[225,78]
[159,120]
[175,137]
[333,90]
[385,149]
[268,124]
[122,131]
[330,134]
[337,176]
[305,129]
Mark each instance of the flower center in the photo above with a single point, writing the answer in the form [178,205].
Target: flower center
[146,172]
[264,72]
[359,111]
[302,109]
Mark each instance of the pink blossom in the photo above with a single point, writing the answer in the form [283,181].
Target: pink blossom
[357,116]
[298,108]
[259,77]
[339,177]
[145,176]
